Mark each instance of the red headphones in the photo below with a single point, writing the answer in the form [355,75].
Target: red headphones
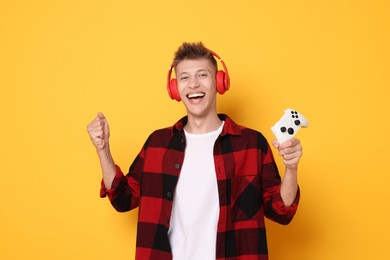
[222,79]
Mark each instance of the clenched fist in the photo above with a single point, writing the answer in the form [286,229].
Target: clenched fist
[99,132]
[291,152]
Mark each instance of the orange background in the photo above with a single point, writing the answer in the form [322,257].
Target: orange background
[63,61]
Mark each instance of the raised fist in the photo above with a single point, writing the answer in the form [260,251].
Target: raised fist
[99,132]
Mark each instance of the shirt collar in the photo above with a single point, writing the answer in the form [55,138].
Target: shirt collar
[230,127]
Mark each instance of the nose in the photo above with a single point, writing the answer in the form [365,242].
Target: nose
[194,82]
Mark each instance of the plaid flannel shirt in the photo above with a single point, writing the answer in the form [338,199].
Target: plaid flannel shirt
[248,187]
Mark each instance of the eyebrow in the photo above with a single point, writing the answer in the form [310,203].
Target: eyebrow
[200,70]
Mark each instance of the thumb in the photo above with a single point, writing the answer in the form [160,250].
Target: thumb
[100,115]
[276,144]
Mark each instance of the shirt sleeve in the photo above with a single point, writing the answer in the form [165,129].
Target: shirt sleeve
[274,207]
[104,192]
[124,192]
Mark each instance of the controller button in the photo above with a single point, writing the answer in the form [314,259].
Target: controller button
[291,131]
[297,122]
[283,129]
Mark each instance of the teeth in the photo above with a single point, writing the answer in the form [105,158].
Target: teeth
[196,95]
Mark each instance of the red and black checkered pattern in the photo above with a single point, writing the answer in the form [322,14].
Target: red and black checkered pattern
[248,186]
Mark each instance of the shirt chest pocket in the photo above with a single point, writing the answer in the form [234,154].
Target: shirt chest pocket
[246,197]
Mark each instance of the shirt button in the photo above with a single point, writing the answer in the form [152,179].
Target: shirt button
[177,166]
[169,194]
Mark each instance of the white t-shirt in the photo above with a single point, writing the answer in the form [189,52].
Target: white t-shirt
[193,230]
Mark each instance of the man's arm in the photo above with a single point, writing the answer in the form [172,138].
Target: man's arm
[291,151]
[99,132]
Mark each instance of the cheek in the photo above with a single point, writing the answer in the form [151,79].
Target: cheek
[181,92]
[180,88]
[211,84]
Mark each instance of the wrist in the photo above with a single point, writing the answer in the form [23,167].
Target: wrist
[104,152]
[291,170]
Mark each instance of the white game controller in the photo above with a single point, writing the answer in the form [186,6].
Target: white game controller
[288,125]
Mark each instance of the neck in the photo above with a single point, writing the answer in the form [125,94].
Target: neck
[201,125]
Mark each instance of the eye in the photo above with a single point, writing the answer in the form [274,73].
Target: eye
[182,78]
[203,75]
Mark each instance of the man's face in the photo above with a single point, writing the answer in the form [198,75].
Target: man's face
[197,86]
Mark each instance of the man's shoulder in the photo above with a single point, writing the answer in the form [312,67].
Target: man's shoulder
[250,131]
[246,130]
[250,135]
[165,132]
[161,137]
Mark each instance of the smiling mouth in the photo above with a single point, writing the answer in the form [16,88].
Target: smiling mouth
[196,95]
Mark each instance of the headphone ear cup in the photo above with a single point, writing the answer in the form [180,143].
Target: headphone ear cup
[221,82]
[173,91]
[226,81]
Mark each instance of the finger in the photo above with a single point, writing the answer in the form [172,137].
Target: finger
[288,153]
[292,156]
[290,146]
[103,120]
[291,149]
[96,134]
[98,142]
[276,144]
[95,126]
[97,122]
[289,143]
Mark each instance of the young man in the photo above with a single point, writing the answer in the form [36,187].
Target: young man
[205,184]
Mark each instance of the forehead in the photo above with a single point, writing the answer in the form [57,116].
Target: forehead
[190,65]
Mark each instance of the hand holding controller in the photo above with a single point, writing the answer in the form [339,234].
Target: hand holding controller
[288,125]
